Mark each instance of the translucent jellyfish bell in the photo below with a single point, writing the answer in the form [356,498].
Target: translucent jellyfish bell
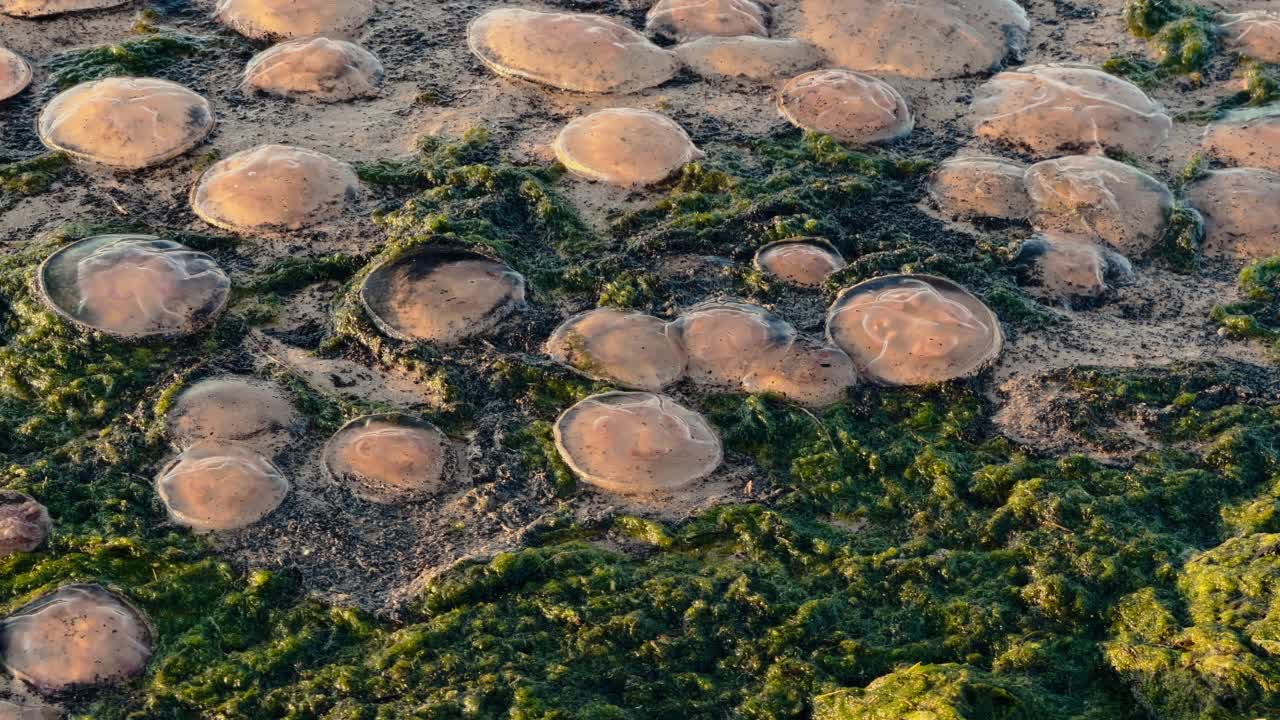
[15,73]
[389,459]
[1241,209]
[1069,266]
[215,486]
[753,58]
[1246,138]
[1255,34]
[636,442]
[441,295]
[987,187]
[632,349]
[1056,108]
[804,372]
[851,107]
[625,147]
[1093,195]
[927,39]
[803,261]
[721,340]
[914,330]
[284,19]
[317,68]
[681,20]
[24,523]
[42,8]
[134,286]
[127,123]
[274,187]
[235,408]
[76,636]
[570,51]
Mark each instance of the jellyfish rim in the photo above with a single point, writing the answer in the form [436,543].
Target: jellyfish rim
[448,463]
[208,318]
[622,488]
[974,368]
[151,161]
[144,623]
[496,316]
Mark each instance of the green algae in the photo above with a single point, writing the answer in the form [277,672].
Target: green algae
[1181,36]
[1222,662]
[980,582]
[938,692]
[1138,70]
[1262,84]
[909,559]
[33,176]
[1145,17]
[296,273]
[1258,314]
[152,55]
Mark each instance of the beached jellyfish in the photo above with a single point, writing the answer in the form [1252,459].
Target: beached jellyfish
[632,349]
[220,486]
[15,73]
[1056,108]
[927,39]
[77,636]
[1067,266]
[980,187]
[134,286]
[127,123]
[1255,34]
[914,330]
[803,261]
[318,68]
[10,710]
[1246,138]
[1093,195]
[441,295]
[749,57]
[570,51]
[389,459]
[804,372]
[274,187]
[232,407]
[1241,210]
[721,339]
[636,442]
[851,107]
[42,8]
[284,19]
[622,146]
[681,20]
[24,523]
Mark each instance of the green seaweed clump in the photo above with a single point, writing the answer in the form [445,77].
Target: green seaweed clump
[465,196]
[1225,663]
[1184,45]
[1182,238]
[1258,314]
[148,56]
[33,176]
[1262,83]
[1144,18]
[1181,36]
[1138,70]
[937,692]
[295,273]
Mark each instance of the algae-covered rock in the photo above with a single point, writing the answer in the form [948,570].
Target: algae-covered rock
[946,691]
